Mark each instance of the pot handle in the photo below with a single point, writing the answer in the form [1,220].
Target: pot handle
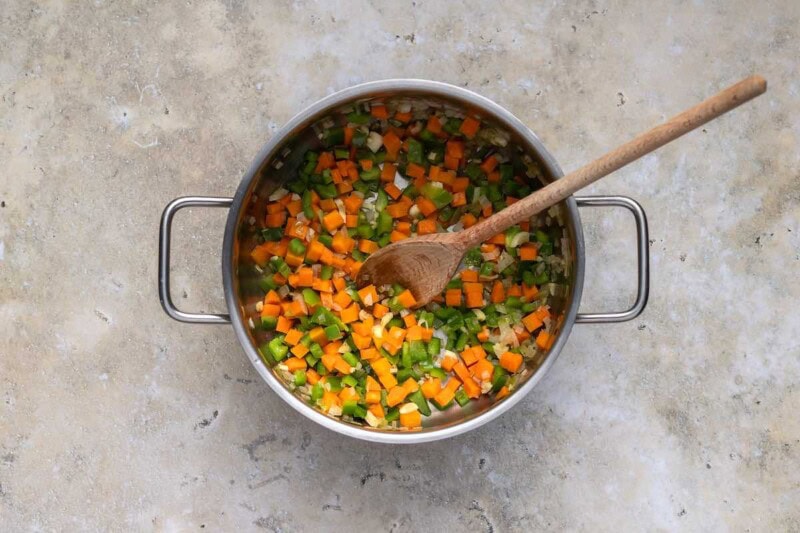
[643,259]
[163,259]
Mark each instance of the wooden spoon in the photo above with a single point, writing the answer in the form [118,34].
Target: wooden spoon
[426,264]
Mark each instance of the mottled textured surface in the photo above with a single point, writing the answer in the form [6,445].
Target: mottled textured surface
[115,417]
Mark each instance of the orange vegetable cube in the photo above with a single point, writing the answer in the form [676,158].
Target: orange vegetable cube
[411,420]
[469,127]
[431,387]
[528,252]
[300,350]
[406,299]
[472,389]
[332,221]
[544,340]
[482,369]
[511,361]
[452,297]
[532,322]
[350,314]
[387,380]
[293,336]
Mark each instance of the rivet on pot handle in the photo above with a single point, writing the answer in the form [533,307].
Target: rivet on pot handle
[163,259]
[643,258]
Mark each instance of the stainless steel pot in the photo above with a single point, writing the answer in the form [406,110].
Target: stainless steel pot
[279,160]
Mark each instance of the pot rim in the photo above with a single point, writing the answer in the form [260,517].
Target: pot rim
[315,110]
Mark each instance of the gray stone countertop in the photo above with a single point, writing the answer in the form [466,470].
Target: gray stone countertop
[114,417]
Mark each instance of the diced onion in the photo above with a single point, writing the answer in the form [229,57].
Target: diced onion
[278,194]
[374,141]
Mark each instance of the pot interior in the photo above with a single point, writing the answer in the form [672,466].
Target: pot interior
[281,161]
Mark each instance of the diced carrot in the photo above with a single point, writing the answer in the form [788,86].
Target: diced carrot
[483,335]
[468,356]
[367,246]
[415,171]
[469,220]
[455,149]
[511,361]
[387,380]
[410,320]
[342,299]
[275,220]
[403,227]
[312,377]
[393,191]
[339,283]
[300,350]
[474,299]
[482,369]
[461,371]
[448,362]
[366,164]
[343,187]
[498,239]
[502,393]
[469,127]
[293,364]
[532,322]
[332,221]
[403,117]
[293,337]
[381,366]
[528,252]
[314,251]
[459,199]
[431,387]
[426,206]
[415,332]
[342,243]
[514,290]
[396,395]
[368,295]
[398,210]
[451,162]
[325,160]
[529,292]
[498,292]
[434,125]
[272,297]
[411,420]
[396,236]
[425,227]
[306,275]
[494,177]
[275,207]
[388,173]
[329,399]
[284,325]
[392,143]
[350,314]
[489,164]
[469,275]
[406,299]
[379,112]
[460,185]
[544,340]
[270,310]
[410,385]
[379,310]
[322,285]
[472,389]
[352,204]
[343,366]
[261,254]
[452,297]
[295,207]
[351,221]
[348,135]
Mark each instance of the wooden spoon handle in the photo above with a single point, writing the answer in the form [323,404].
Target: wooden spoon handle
[645,143]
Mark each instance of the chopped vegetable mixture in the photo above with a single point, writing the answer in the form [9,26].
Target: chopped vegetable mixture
[385,173]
